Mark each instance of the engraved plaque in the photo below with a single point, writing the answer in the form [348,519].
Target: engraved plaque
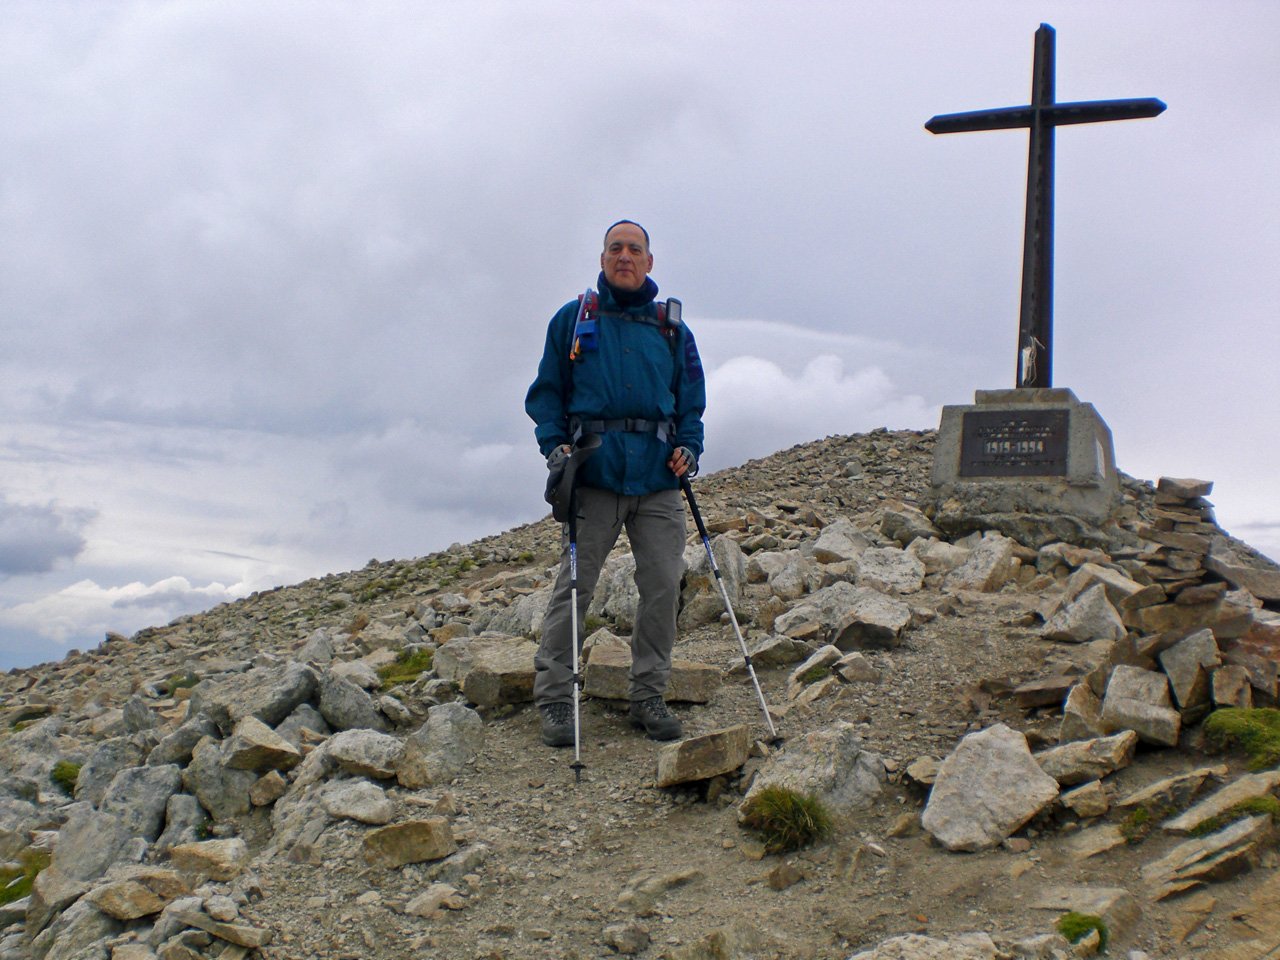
[1013,443]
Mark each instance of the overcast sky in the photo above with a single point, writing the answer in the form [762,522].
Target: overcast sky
[275,276]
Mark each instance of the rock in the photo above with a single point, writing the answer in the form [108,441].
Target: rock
[268,788]
[831,763]
[938,556]
[137,797]
[239,934]
[222,791]
[1048,692]
[1081,715]
[211,859]
[703,757]
[140,892]
[1117,907]
[989,566]
[358,672]
[1214,857]
[986,790]
[700,598]
[774,650]
[607,676]
[1244,568]
[1089,616]
[345,706]
[1172,792]
[410,842]
[738,940]
[905,523]
[305,721]
[74,933]
[1230,687]
[915,946]
[501,673]
[816,667]
[365,753]
[1188,664]
[104,763]
[357,800]
[437,897]
[177,746]
[137,716]
[1181,488]
[617,597]
[183,820]
[52,891]
[1087,801]
[88,843]
[1248,787]
[318,647]
[1095,840]
[441,748]
[255,746]
[1084,760]
[890,570]
[628,938]
[856,668]
[1138,700]
[640,893]
[268,693]
[840,541]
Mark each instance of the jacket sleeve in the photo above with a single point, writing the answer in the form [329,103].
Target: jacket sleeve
[548,396]
[691,393]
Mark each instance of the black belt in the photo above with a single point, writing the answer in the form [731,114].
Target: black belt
[664,429]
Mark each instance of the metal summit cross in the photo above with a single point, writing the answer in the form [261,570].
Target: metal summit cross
[1042,115]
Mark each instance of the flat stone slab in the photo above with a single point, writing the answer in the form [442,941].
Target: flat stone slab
[1084,760]
[704,757]
[1172,791]
[1096,840]
[607,676]
[1217,856]
[1248,787]
[410,842]
[1117,907]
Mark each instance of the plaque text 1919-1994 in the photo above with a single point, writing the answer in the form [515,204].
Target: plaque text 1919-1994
[1014,443]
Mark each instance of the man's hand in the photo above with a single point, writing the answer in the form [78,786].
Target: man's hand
[558,456]
[683,461]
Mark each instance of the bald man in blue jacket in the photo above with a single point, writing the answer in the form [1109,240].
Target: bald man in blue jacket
[638,383]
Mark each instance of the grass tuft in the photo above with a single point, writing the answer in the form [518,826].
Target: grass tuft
[1076,926]
[786,820]
[65,774]
[1254,730]
[16,883]
[406,669]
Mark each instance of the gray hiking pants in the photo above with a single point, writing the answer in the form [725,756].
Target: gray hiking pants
[656,528]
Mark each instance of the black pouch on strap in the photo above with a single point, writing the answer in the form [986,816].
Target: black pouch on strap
[560,481]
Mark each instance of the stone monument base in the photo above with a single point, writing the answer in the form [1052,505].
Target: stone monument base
[1036,464]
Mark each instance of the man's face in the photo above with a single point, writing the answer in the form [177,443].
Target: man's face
[626,260]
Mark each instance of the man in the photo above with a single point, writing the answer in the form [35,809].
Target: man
[636,380]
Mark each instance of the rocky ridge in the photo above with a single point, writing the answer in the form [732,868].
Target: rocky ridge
[985,719]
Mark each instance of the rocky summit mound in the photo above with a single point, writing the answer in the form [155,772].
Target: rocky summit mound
[1007,745]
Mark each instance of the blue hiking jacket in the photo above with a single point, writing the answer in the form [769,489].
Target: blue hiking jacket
[635,372]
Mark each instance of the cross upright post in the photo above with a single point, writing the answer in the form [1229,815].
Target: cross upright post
[1041,116]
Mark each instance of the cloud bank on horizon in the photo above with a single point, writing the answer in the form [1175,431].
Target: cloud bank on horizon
[277,276]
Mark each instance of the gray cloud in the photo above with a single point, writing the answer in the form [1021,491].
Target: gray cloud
[34,538]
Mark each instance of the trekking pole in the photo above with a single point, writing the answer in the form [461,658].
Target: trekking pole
[724,593]
[577,765]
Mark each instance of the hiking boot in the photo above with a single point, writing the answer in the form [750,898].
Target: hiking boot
[557,724]
[658,722]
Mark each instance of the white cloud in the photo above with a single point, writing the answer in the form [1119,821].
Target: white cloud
[87,609]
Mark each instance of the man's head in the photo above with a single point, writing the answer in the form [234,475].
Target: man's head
[626,259]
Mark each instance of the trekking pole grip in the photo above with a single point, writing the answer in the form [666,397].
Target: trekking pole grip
[687,487]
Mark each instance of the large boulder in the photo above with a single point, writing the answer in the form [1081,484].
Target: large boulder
[831,763]
[700,599]
[848,616]
[986,790]
[442,747]
[268,693]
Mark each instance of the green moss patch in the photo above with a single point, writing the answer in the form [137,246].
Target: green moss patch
[65,774]
[1256,731]
[16,883]
[1076,926]
[786,820]
[1266,805]
[407,668]
[814,674]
